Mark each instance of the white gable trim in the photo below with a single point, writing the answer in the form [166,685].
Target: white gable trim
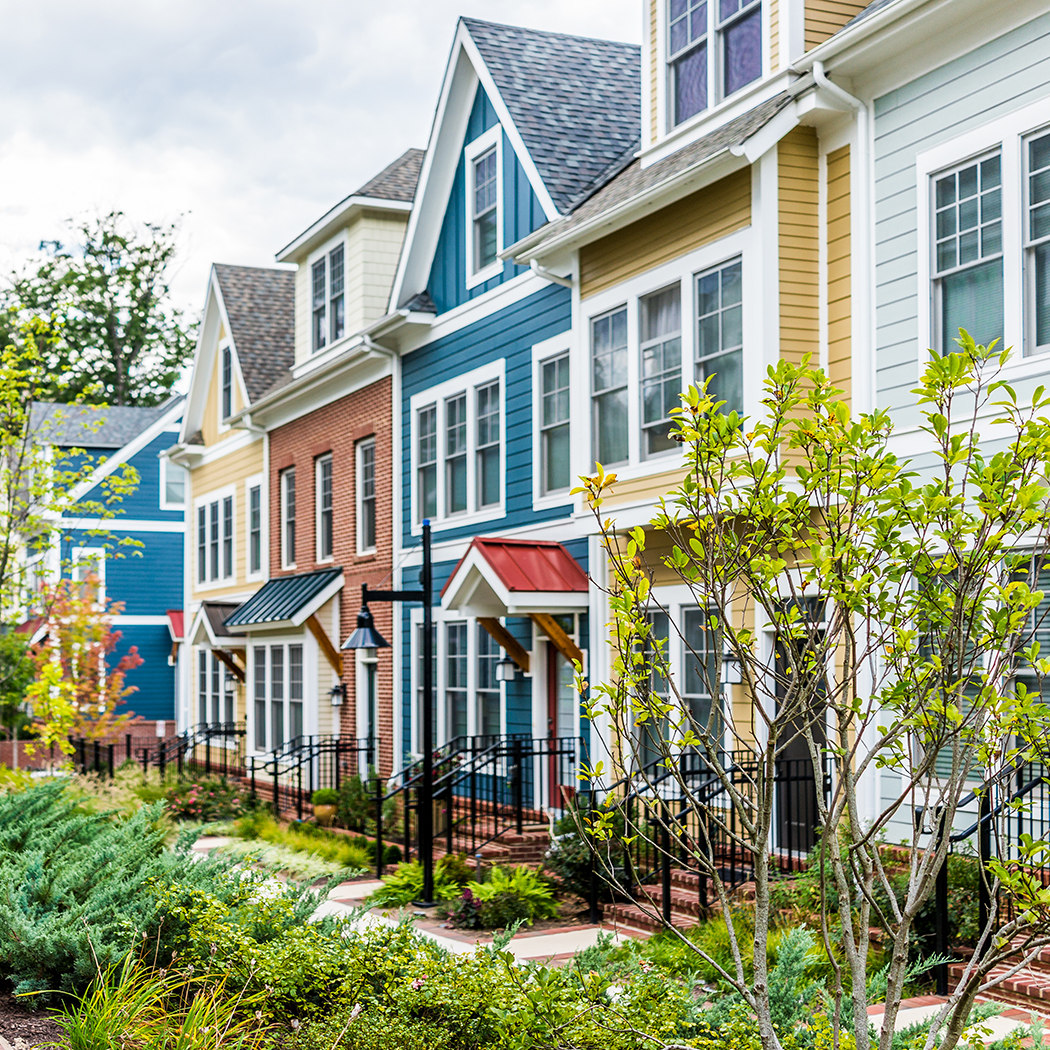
[204,356]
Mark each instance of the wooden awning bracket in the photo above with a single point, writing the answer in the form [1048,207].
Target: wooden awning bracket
[226,657]
[504,638]
[562,642]
[329,650]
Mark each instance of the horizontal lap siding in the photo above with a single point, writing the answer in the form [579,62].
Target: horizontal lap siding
[799,247]
[826,17]
[654,65]
[839,274]
[696,220]
[969,92]
[154,679]
[774,34]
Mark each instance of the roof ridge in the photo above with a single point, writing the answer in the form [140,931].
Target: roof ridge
[467,19]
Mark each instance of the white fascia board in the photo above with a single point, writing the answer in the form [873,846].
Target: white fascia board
[125,452]
[847,38]
[478,591]
[204,356]
[333,220]
[200,632]
[318,600]
[763,140]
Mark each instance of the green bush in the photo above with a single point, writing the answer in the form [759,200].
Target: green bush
[325,797]
[207,800]
[569,858]
[344,852]
[356,804]
[406,884]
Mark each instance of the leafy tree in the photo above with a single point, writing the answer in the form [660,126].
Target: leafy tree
[16,673]
[903,605]
[115,336]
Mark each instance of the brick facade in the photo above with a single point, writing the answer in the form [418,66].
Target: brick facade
[337,428]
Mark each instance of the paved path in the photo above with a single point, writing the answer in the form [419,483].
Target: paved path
[926,1006]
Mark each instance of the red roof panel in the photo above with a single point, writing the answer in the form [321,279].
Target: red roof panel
[176,624]
[528,565]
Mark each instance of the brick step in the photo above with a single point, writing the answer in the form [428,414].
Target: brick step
[681,901]
[1028,986]
[634,918]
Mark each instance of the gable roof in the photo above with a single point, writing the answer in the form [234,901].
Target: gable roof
[574,100]
[397,181]
[260,306]
[94,426]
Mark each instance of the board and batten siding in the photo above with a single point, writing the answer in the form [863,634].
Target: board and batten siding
[824,18]
[975,89]
[688,224]
[840,319]
[797,168]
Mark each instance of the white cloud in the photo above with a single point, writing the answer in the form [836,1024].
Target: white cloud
[249,117]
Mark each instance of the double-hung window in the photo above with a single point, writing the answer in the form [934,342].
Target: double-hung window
[288,517]
[277,719]
[366,496]
[215,552]
[227,382]
[487,685]
[202,543]
[554,424]
[317,282]
[693,78]
[702,658]
[328,299]
[456,454]
[1037,241]
[487,444]
[661,371]
[720,334]
[227,537]
[426,462]
[485,211]
[213,540]
[259,691]
[255,529]
[654,728]
[968,252]
[323,483]
[456,679]
[336,294]
[172,485]
[609,386]
[295,691]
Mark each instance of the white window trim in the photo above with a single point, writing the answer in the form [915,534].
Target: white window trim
[77,554]
[204,501]
[359,447]
[684,270]
[466,383]
[542,352]
[165,464]
[482,144]
[314,256]
[255,481]
[1006,134]
[281,521]
[311,697]
[324,457]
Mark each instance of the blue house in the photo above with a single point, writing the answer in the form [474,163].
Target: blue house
[147,577]
[528,123]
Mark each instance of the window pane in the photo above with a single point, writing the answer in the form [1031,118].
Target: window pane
[485,240]
[611,426]
[227,537]
[1042,295]
[202,544]
[973,299]
[727,383]
[289,516]
[337,320]
[174,483]
[324,477]
[260,697]
[690,84]
[556,458]
[213,513]
[456,678]
[255,527]
[743,51]
[367,482]
[488,696]
[318,283]
[202,686]
[720,335]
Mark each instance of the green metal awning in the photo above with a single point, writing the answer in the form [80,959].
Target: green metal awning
[286,601]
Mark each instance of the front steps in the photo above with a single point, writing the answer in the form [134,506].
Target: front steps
[1029,988]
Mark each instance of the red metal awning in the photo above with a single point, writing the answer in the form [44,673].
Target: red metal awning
[176,624]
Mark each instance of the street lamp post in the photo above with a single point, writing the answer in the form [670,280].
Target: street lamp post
[367,637]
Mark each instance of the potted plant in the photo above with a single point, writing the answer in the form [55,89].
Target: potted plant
[325,801]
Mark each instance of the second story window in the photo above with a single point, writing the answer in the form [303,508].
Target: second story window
[968,253]
[661,345]
[202,544]
[687,55]
[488,444]
[1037,241]
[215,540]
[172,485]
[288,517]
[456,454]
[227,536]
[227,382]
[336,297]
[720,334]
[485,210]
[324,508]
[426,462]
[739,27]
[366,496]
[554,424]
[317,282]
[255,529]
[609,386]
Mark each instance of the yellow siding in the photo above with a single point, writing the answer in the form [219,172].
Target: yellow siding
[774,34]
[654,65]
[210,422]
[231,469]
[838,256]
[651,487]
[681,227]
[799,249]
[826,17]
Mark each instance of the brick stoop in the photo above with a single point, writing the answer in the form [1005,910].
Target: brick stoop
[1028,988]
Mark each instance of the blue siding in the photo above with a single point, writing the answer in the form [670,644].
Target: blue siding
[144,502]
[154,678]
[522,214]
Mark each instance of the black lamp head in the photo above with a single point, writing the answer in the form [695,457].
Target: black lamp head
[366,636]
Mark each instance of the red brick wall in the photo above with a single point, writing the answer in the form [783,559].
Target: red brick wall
[336,428]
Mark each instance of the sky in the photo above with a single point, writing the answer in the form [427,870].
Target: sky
[244,120]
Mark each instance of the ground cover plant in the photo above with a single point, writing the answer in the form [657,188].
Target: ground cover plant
[502,899]
[405,885]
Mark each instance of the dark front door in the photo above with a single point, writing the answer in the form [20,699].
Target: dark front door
[797,779]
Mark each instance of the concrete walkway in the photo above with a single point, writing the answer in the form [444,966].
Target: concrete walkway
[923,1007]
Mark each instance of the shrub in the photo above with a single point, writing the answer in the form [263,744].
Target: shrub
[307,839]
[325,797]
[406,884]
[356,804]
[207,800]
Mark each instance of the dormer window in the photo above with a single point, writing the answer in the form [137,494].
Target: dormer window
[328,299]
[484,210]
[694,81]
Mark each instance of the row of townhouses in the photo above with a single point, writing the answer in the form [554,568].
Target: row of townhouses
[592,227]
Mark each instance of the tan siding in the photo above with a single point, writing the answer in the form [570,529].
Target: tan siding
[774,34]
[681,227]
[652,487]
[654,66]
[838,256]
[799,249]
[826,17]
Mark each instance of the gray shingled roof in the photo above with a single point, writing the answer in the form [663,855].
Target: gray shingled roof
[217,612]
[635,179]
[397,181]
[280,599]
[875,5]
[574,100]
[260,303]
[93,426]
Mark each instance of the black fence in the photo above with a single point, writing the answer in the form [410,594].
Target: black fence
[209,749]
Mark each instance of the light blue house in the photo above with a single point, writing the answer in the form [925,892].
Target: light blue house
[146,577]
[528,123]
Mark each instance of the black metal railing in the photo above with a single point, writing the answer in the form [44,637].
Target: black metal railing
[208,749]
[92,756]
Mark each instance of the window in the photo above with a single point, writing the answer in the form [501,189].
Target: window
[488,698]
[456,454]
[215,540]
[255,529]
[366,496]
[485,211]
[202,544]
[554,424]
[968,252]
[276,697]
[1037,242]
[487,444]
[227,382]
[661,346]
[295,691]
[653,733]
[328,299]
[318,285]
[288,517]
[260,697]
[336,300]
[702,658]
[426,469]
[172,485]
[720,334]
[694,79]
[88,569]
[609,371]
[420,671]
[455,680]
[202,687]
[227,537]
[324,507]
[216,688]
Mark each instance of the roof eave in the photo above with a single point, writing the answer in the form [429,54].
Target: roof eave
[332,220]
[845,39]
